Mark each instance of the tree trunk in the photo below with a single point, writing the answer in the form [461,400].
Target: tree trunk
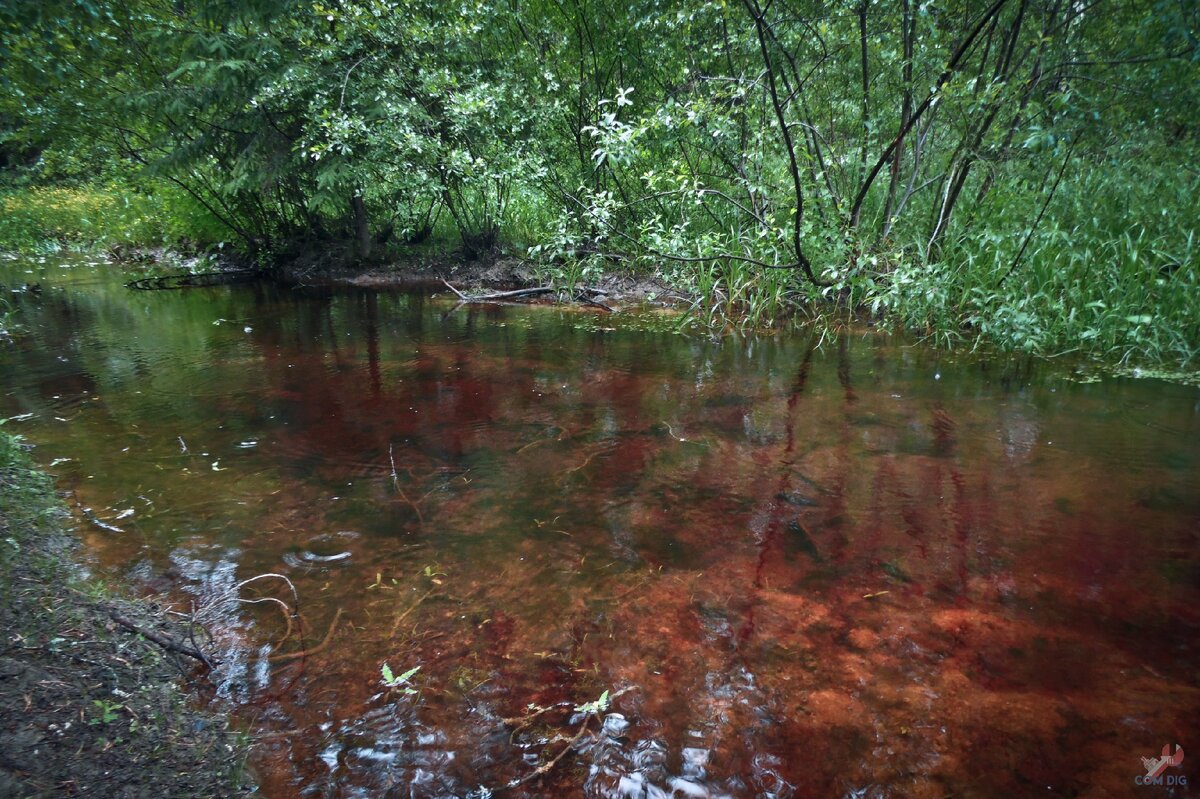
[760,27]
[362,227]
[866,91]
[951,67]
[907,24]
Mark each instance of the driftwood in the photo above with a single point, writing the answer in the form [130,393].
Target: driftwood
[197,618]
[545,768]
[198,280]
[289,656]
[524,721]
[581,295]
[401,616]
[165,641]
[501,295]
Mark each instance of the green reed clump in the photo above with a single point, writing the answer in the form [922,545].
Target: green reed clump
[734,294]
[1110,272]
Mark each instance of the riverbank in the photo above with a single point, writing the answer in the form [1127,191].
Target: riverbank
[716,309]
[1102,307]
[476,277]
[88,708]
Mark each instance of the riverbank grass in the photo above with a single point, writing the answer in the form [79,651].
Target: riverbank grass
[86,708]
[1110,282]
[112,215]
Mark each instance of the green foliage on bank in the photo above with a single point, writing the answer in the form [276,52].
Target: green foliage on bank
[1110,271]
[27,498]
[1018,173]
[44,218]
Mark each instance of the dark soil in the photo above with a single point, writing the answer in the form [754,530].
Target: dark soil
[428,267]
[475,276]
[87,707]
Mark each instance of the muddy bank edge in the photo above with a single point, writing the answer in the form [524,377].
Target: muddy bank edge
[87,707]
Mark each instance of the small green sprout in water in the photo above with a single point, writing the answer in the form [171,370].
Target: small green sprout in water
[597,706]
[392,681]
[380,584]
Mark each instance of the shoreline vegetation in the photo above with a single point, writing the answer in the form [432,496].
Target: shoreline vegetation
[90,708]
[1010,174]
[133,229]
[439,266]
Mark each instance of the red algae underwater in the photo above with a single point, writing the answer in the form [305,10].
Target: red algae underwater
[791,567]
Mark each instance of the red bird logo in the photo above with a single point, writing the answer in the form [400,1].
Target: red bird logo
[1155,766]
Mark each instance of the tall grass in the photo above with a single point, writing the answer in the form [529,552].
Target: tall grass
[1110,272]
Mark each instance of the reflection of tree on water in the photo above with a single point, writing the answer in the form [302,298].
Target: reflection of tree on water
[765,640]
[819,566]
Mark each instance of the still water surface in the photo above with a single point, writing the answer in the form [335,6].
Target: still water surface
[804,566]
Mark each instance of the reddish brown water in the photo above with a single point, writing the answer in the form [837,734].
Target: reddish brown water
[810,566]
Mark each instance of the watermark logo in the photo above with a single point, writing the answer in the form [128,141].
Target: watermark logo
[1155,766]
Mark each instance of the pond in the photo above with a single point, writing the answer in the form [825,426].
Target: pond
[811,564]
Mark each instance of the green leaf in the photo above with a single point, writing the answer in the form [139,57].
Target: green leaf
[392,681]
[598,706]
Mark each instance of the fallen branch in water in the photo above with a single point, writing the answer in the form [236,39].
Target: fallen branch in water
[283,608]
[544,769]
[198,618]
[582,297]
[165,641]
[401,616]
[519,723]
[590,710]
[586,461]
[197,280]
[211,611]
[500,295]
[535,442]
[289,656]
[96,520]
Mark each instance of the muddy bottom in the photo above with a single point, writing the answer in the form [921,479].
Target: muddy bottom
[625,562]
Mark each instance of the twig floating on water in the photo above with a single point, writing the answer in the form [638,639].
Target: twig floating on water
[96,520]
[402,616]
[392,458]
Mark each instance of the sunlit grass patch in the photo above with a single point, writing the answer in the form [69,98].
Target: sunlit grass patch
[48,218]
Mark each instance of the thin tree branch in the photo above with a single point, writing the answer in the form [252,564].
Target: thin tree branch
[951,67]
[1033,228]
